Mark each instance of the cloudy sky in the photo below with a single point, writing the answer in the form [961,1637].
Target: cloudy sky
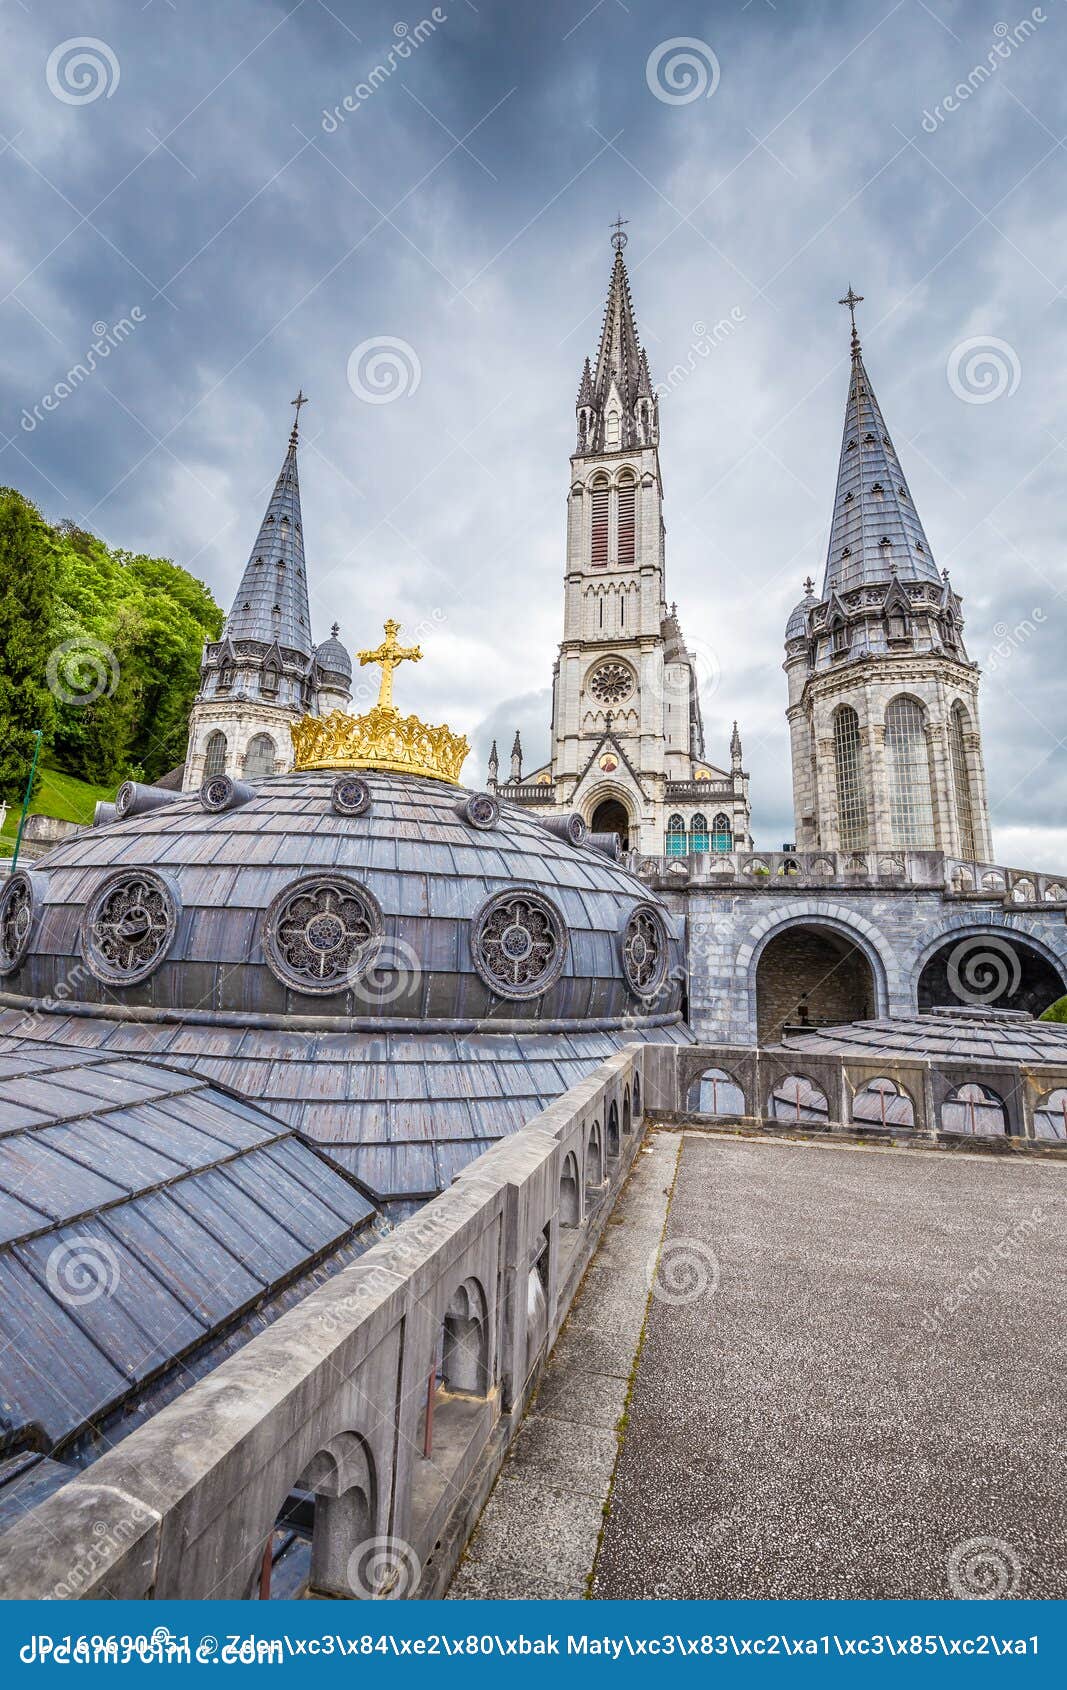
[197,165]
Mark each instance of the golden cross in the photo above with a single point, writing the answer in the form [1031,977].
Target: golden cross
[388,655]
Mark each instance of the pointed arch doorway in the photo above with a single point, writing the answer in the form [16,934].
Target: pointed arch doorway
[612,816]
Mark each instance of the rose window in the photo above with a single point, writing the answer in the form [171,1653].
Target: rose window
[128,927]
[16,921]
[644,952]
[519,944]
[612,683]
[322,934]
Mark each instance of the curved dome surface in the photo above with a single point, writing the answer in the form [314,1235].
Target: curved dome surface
[797,624]
[332,657]
[403,982]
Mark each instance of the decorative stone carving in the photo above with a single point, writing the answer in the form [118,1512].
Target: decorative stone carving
[644,949]
[18,908]
[612,683]
[322,934]
[481,810]
[518,944]
[350,796]
[128,927]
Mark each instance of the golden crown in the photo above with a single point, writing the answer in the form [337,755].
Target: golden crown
[381,739]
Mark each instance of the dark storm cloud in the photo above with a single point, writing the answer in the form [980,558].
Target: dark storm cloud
[461,208]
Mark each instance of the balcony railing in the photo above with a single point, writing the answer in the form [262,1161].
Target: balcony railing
[933,870]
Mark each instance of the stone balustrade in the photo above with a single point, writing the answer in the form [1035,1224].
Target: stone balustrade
[854,870]
[389,1395]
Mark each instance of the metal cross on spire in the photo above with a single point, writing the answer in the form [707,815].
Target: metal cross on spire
[852,299]
[618,239]
[301,399]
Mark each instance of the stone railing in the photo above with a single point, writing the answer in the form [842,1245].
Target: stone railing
[852,870]
[755,1092]
[381,1406]
[691,790]
[528,792]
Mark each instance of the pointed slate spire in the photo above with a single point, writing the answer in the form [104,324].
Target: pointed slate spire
[875,532]
[272,600]
[516,758]
[494,764]
[619,357]
[585,389]
[735,748]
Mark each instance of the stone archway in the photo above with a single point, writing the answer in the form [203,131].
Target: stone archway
[811,975]
[612,816]
[990,969]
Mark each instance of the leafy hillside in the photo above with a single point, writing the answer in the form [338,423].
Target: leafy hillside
[99,648]
[57,795]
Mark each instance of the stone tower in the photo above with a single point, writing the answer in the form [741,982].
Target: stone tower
[883,699]
[265,673]
[627,739]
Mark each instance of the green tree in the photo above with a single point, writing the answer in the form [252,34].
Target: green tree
[29,571]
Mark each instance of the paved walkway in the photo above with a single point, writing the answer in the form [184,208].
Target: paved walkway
[851,1385]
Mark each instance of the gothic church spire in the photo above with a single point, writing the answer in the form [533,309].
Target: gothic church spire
[875,533]
[271,604]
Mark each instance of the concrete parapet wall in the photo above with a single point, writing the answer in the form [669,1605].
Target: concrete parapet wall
[390,1394]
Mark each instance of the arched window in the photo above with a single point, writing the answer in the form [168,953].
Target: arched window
[261,756]
[675,836]
[911,811]
[796,1099]
[465,1342]
[594,1159]
[269,680]
[961,780]
[851,789]
[716,1093]
[570,1203]
[1050,1116]
[973,1109]
[698,833]
[722,833]
[626,521]
[225,677]
[883,1103]
[598,555]
[215,755]
[613,1129]
[611,430]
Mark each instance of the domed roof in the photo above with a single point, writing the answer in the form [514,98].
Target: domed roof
[402,970]
[797,625]
[332,657]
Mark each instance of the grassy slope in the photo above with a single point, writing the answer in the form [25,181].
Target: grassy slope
[57,795]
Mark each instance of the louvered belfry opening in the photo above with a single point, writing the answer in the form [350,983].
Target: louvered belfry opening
[627,523]
[599,551]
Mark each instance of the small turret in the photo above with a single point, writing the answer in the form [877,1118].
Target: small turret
[494,767]
[516,758]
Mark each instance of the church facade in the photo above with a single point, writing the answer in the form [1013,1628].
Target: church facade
[627,734]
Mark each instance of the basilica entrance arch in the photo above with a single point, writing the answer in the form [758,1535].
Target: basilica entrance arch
[612,816]
[812,974]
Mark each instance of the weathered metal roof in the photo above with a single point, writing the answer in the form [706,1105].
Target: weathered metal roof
[987,1036]
[143,1212]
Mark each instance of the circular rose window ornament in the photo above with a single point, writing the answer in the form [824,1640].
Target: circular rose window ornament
[322,934]
[644,948]
[128,927]
[18,910]
[612,683]
[518,944]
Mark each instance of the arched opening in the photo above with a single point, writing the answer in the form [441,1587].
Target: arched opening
[907,760]
[594,1160]
[570,1206]
[260,758]
[1050,1116]
[465,1342]
[598,523]
[637,1095]
[883,1103]
[797,1098]
[341,1480]
[959,728]
[699,839]
[613,1129]
[811,976]
[989,971]
[610,816]
[676,836]
[974,1109]
[626,1121]
[626,527]
[715,1092]
[215,755]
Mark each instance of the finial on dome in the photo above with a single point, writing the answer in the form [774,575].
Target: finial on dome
[809,587]
[335,630]
[381,739]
